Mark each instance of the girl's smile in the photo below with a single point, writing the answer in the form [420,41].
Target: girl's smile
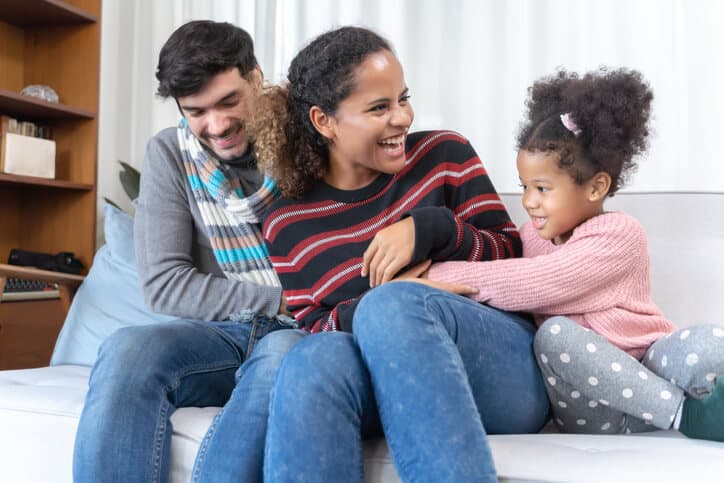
[555,203]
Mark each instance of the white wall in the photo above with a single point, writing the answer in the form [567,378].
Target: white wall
[468,64]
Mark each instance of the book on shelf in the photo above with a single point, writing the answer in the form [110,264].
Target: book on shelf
[25,128]
[26,148]
[20,289]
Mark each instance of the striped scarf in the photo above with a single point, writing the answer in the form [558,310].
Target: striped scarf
[232,219]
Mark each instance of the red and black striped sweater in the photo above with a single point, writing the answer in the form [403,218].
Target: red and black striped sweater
[316,244]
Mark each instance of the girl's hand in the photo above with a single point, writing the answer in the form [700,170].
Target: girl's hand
[389,251]
[418,271]
[455,288]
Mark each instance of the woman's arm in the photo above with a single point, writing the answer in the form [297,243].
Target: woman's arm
[460,216]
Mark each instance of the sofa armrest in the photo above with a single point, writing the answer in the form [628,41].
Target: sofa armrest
[67,282]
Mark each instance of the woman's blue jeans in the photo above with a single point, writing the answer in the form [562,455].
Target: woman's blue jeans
[437,371]
[144,373]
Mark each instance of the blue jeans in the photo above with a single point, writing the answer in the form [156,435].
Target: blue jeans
[144,373]
[435,370]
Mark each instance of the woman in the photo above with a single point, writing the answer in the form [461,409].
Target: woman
[362,200]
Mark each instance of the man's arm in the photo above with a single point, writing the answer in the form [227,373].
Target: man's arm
[179,275]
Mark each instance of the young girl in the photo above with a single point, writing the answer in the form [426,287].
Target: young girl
[612,362]
[362,198]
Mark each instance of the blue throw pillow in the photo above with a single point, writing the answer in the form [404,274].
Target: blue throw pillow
[109,298]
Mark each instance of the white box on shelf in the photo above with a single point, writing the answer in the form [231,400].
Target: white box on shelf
[28,156]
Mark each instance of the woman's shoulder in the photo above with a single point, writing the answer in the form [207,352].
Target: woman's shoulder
[294,211]
[448,145]
[282,205]
[427,138]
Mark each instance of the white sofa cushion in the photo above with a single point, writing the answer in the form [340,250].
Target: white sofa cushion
[39,411]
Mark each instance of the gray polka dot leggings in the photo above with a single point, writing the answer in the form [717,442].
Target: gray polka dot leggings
[595,387]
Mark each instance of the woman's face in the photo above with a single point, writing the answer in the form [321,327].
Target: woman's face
[369,128]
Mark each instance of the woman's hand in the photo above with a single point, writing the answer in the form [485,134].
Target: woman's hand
[389,251]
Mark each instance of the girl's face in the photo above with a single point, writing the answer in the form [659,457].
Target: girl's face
[367,133]
[553,200]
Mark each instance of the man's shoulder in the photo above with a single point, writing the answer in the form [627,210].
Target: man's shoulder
[165,137]
[163,149]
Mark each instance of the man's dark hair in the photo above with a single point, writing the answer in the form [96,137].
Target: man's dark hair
[199,50]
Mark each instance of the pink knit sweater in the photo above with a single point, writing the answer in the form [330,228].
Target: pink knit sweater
[599,278]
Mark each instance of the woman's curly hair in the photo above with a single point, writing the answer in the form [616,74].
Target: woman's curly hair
[288,147]
[610,107]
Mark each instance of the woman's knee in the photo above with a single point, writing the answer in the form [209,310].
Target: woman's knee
[378,303]
[394,309]
[319,362]
[270,351]
[279,342]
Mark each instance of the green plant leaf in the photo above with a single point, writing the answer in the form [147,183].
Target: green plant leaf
[130,180]
[112,203]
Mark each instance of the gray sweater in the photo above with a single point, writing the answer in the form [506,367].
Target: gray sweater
[177,268]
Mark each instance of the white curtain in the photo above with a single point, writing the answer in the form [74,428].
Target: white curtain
[468,64]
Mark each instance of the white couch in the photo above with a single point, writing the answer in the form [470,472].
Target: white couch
[39,408]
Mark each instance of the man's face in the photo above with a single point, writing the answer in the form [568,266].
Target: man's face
[219,113]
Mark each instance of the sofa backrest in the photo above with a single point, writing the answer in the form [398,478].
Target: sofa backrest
[686,247]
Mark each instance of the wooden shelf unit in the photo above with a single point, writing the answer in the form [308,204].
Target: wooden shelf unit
[55,43]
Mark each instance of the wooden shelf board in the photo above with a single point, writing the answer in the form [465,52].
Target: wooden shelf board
[14,179]
[29,108]
[32,273]
[33,13]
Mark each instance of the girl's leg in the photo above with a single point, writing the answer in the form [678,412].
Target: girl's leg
[693,359]
[444,370]
[596,387]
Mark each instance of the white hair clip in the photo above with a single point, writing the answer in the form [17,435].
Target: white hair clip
[570,124]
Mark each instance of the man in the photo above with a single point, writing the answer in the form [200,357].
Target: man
[201,257]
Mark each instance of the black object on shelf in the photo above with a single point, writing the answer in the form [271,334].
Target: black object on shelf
[60,262]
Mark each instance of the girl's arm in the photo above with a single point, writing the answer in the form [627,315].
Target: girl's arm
[582,276]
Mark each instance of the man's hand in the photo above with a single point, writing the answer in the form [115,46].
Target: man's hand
[283,310]
[390,250]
